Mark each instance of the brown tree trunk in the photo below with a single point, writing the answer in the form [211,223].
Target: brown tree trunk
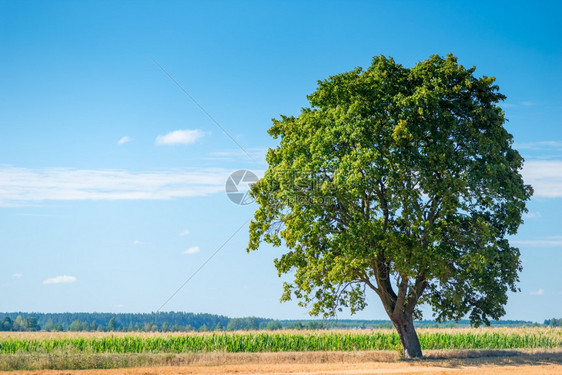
[408,336]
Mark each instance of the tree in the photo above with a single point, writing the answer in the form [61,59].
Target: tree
[7,324]
[77,326]
[112,324]
[19,324]
[203,328]
[49,326]
[553,322]
[31,324]
[400,180]
[273,325]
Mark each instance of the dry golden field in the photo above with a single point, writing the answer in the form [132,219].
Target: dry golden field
[436,362]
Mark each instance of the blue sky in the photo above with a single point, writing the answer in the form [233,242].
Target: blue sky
[112,179]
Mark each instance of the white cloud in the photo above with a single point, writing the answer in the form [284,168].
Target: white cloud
[137,242]
[539,243]
[23,186]
[125,139]
[60,280]
[532,215]
[541,145]
[539,292]
[192,250]
[17,275]
[185,137]
[184,232]
[545,176]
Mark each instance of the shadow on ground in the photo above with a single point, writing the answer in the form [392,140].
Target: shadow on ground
[463,358]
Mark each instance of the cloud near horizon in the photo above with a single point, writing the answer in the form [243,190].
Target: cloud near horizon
[545,176]
[20,186]
[186,136]
[60,280]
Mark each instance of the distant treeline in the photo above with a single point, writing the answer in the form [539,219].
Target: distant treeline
[165,321]
[183,322]
[553,322]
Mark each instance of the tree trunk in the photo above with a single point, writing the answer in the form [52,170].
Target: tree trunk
[408,336]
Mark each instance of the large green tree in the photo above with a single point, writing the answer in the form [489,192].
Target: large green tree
[400,180]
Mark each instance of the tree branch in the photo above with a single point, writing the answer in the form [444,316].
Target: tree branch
[402,289]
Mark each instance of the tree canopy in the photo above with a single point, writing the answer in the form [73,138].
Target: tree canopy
[401,180]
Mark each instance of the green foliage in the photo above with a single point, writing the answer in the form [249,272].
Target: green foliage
[203,328]
[553,322]
[238,324]
[177,321]
[19,324]
[252,323]
[112,324]
[31,324]
[274,325]
[78,325]
[402,180]
[7,324]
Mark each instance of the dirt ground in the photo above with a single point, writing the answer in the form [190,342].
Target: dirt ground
[320,369]
[436,362]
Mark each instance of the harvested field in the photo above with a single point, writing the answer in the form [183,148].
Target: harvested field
[436,362]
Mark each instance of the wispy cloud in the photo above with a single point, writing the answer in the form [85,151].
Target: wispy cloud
[184,232]
[256,153]
[137,242]
[125,139]
[17,275]
[20,186]
[192,250]
[185,137]
[545,176]
[539,292]
[514,105]
[532,215]
[548,241]
[540,145]
[60,280]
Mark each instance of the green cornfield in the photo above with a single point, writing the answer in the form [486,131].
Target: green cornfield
[282,341]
